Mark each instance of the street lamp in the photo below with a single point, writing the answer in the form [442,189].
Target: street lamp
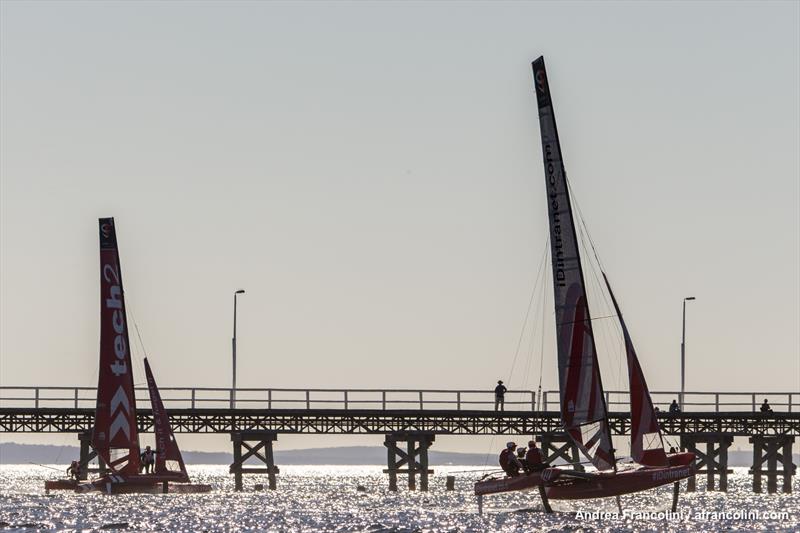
[683,350]
[233,389]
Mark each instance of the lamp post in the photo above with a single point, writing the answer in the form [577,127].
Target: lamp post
[683,350]
[233,389]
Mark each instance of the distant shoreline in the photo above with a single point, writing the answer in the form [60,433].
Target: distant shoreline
[14,453]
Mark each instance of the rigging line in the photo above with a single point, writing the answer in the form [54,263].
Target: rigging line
[543,296]
[528,312]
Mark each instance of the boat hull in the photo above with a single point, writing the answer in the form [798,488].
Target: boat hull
[140,484]
[569,485]
[60,484]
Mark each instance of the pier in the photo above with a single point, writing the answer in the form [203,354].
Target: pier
[408,421]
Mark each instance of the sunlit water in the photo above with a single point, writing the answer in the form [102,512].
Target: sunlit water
[355,498]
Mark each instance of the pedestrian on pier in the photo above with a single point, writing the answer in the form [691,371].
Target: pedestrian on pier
[765,408]
[674,407]
[500,396]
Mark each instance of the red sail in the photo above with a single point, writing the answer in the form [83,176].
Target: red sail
[647,445]
[583,408]
[167,452]
[115,437]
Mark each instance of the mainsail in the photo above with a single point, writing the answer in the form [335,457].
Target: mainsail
[166,446]
[115,437]
[647,445]
[583,408]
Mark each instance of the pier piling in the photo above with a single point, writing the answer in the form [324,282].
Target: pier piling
[253,442]
[87,454]
[714,461]
[556,446]
[773,450]
[415,458]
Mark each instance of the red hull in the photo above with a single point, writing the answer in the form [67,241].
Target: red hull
[113,484]
[566,485]
[60,484]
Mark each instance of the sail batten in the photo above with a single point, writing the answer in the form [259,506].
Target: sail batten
[583,408]
[115,436]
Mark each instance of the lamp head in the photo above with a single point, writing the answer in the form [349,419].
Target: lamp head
[688,298]
[241,291]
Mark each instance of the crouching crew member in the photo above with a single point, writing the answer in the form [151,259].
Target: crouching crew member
[508,460]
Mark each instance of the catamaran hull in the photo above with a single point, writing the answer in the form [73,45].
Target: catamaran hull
[568,485]
[142,484]
[60,484]
[603,486]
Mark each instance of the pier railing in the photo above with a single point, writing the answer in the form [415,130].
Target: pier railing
[388,399]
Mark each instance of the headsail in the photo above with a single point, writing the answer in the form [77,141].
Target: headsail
[167,450]
[583,408]
[115,437]
[647,445]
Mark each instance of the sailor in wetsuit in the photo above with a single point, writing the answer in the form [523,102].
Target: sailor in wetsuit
[148,458]
[73,470]
[508,460]
[533,459]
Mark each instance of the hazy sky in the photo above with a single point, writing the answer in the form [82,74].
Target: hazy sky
[371,174]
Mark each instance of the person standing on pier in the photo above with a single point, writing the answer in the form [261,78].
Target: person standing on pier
[500,396]
[765,408]
[674,407]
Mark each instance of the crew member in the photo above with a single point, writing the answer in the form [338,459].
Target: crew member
[765,407]
[533,459]
[148,457]
[73,470]
[508,460]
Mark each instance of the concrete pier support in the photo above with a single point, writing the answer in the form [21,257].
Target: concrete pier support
[556,446]
[414,458]
[253,442]
[87,454]
[713,461]
[775,451]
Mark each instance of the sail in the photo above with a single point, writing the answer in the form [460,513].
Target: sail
[583,408]
[647,445]
[167,452]
[115,437]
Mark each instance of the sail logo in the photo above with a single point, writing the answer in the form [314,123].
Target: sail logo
[120,423]
[556,241]
[541,81]
[105,229]
[114,301]
[120,404]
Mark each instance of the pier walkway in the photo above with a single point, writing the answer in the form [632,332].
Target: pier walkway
[410,420]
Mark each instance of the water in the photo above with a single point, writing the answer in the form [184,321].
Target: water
[326,498]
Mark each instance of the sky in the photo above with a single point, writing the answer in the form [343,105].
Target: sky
[370,173]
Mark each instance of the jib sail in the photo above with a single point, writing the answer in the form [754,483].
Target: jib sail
[583,408]
[647,445]
[168,455]
[115,437]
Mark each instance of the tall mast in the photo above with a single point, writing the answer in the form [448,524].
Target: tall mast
[583,406]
